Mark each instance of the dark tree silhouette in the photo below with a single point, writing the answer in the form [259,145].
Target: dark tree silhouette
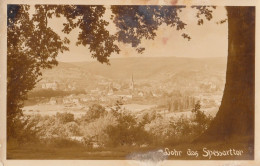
[31,46]
[236,113]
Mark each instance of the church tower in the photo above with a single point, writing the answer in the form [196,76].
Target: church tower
[132,85]
[110,89]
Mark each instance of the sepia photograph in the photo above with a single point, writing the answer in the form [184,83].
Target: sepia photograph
[130,82]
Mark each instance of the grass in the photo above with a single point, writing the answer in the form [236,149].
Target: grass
[78,152]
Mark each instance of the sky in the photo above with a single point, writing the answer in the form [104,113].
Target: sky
[207,40]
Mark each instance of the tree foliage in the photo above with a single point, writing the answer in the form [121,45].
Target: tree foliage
[95,111]
[200,118]
[31,46]
[126,132]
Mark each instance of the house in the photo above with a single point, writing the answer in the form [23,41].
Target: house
[141,94]
[72,99]
[50,85]
[75,101]
[123,95]
[71,87]
[53,101]
[77,138]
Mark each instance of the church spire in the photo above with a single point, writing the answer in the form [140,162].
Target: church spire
[132,83]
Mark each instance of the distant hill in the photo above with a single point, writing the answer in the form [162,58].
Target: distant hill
[162,69]
[152,67]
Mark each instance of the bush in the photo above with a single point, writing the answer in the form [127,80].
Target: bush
[61,125]
[25,130]
[182,130]
[147,118]
[95,111]
[186,129]
[65,117]
[94,131]
[170,131]
[115,128]
[201,120]
[126,132]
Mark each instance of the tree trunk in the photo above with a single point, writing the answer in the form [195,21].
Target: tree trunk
[236,113]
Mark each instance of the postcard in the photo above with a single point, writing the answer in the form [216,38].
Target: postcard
[150,82]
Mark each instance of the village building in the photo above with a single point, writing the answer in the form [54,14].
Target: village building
[132,84]
[50,85]
[53,101]
[124,95]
